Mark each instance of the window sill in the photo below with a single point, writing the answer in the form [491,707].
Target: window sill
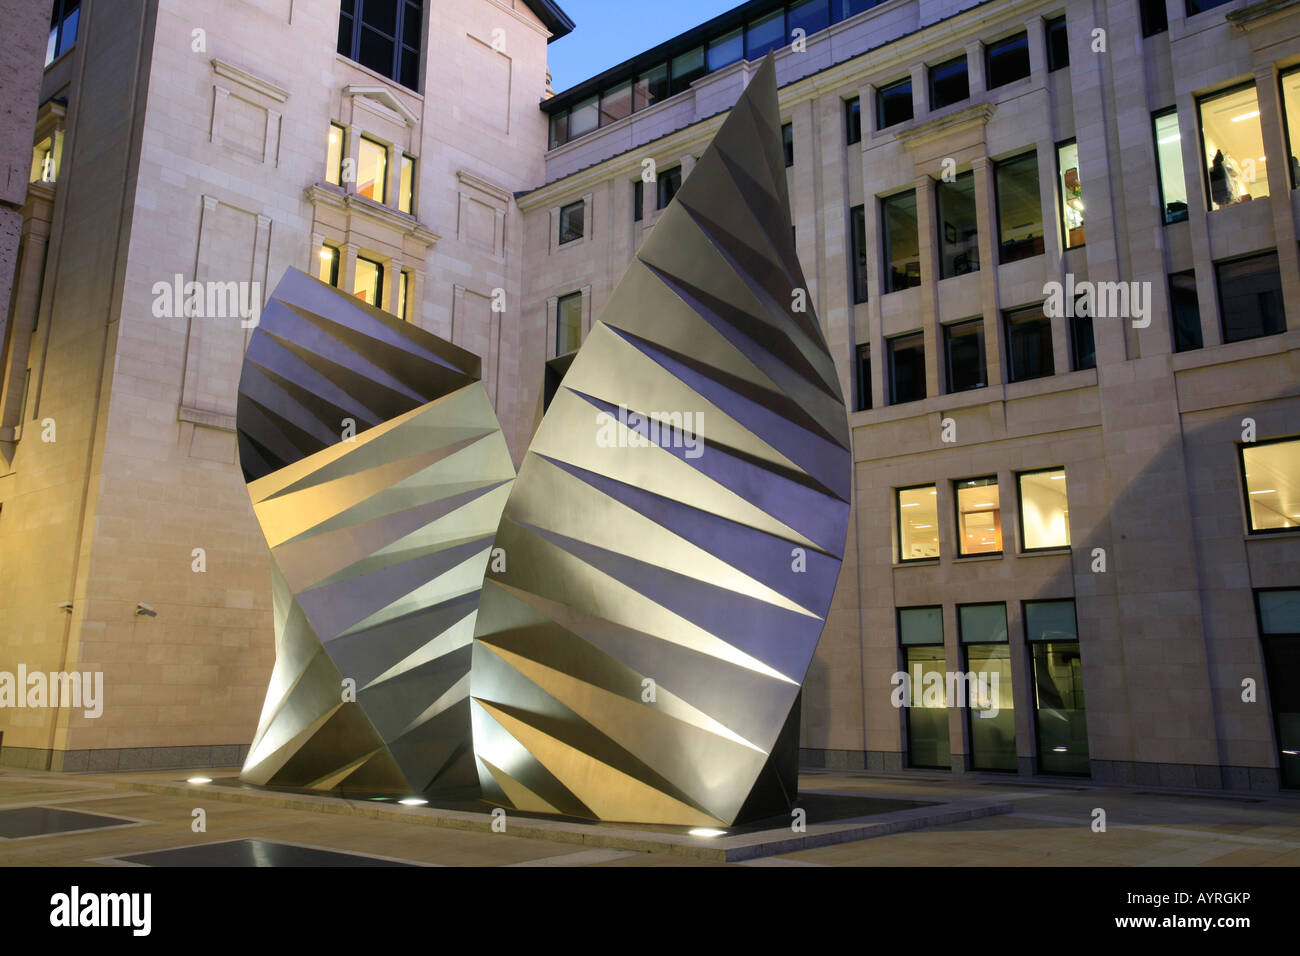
[1287,534]
[1044,552]
[918,563]
[969,558]
[356,65]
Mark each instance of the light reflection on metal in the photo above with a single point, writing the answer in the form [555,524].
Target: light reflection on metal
[640,657]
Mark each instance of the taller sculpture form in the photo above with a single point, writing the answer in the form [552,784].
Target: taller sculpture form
[677,527]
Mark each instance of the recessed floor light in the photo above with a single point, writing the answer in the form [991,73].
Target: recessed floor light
[413,801]
[198,780]
[706,832]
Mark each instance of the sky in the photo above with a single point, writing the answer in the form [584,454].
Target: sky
[611,31]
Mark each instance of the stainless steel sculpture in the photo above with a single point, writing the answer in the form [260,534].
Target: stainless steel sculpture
[377,471]
[674,536]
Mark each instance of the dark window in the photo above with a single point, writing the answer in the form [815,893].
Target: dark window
[669,182]
[964,352]
[920,634]
[864,378]
[809,16]
[852,121]
[901,247]
[568,323]
[1169,164]
[1185,309]
[1200,6]
[1061,717]
[726,49]
[638,200]
[651,87]
[64,17]
[894,104]
[858,251]
[1270,475]
[843,9]
[384,35]
[559,128]
[765,34]
[787,144]
[1029,344]
[906,368]
[1154,17]
[990,707]
[1020,210]
[616,103]
[572,225]
[686,69]
[1058,45]
[1083,351]
[1250,297]
[949,83]
[1278,611]
[1007,60]
[959,251]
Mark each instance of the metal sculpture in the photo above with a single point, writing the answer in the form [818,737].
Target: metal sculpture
[676,530]
[377,472]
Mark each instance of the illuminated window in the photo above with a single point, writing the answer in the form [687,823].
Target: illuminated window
[1233,143]
[369,286]
[1290,82]
[959,248]
[46,157]
[372,170]
[1061,717]
[383,35]
[64,18]
[979,516]
[920,632]
[918,523]
[406,185]
[1067,168]
[1044,510]
[901,243]
[1169,165]
[327,264]
[334,154]
[403,287]
[990,710]
[573,221]
[1270,473]
[568,323]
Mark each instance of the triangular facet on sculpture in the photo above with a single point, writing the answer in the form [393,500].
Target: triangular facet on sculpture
[678,524]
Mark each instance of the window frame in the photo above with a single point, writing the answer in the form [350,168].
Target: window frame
[1173,315]
[667,175]
[1060,206]
[1149,28]
[1020,520]
[383,183]
[787,143]
[59,16]
[1202,159]
[1160,178]
[997,205]
[1006,335]
[959,552]
[863,392]
[402,196]
[334,262]
[560,240]
[898,532]
[890,367]
[379,282]
[1251,531]
[1006,41]
[852,121]
[947,354]
[880,103]
[940,187]
[1218,295]
[1264,640]
[1292,145]
[401,45]
[930,77]
[559,303]
[858,262]
[1049,25]
[886,242]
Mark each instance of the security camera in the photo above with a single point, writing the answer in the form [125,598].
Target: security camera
[146,609]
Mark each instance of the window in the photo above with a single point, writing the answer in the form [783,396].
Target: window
[1044,510]
[334,154]
[906,368]
[726,49]
[787,143]
[670,180]
[1006,61]
[1200,6]
[568,323]
[616,103]
[979,516]
[1029,344]
[765,34]
[920,633]
[1169,165]
[1270,472]
[47,157]
[1250,297]
[651,87]
[894,104]
[1060,714]
[959,247]
[685,70]
[559,128]
[809,16]
[1020,211]
[852,121]
[584,117]
[1154,17]
[1058,45]
[1067,169]
[63,28]
[1083,350]
[918,523]
[572,224]
[1290,82]
[372,170]
[1185,309]
[403,288]
[901,246]
[990,714]
[369,287]
[949,83]
[327,269]
[864,378]
[858,251]
[1278,612]
[384,35]
[1233,144]
[406,185]
[964,352]
[638,200]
